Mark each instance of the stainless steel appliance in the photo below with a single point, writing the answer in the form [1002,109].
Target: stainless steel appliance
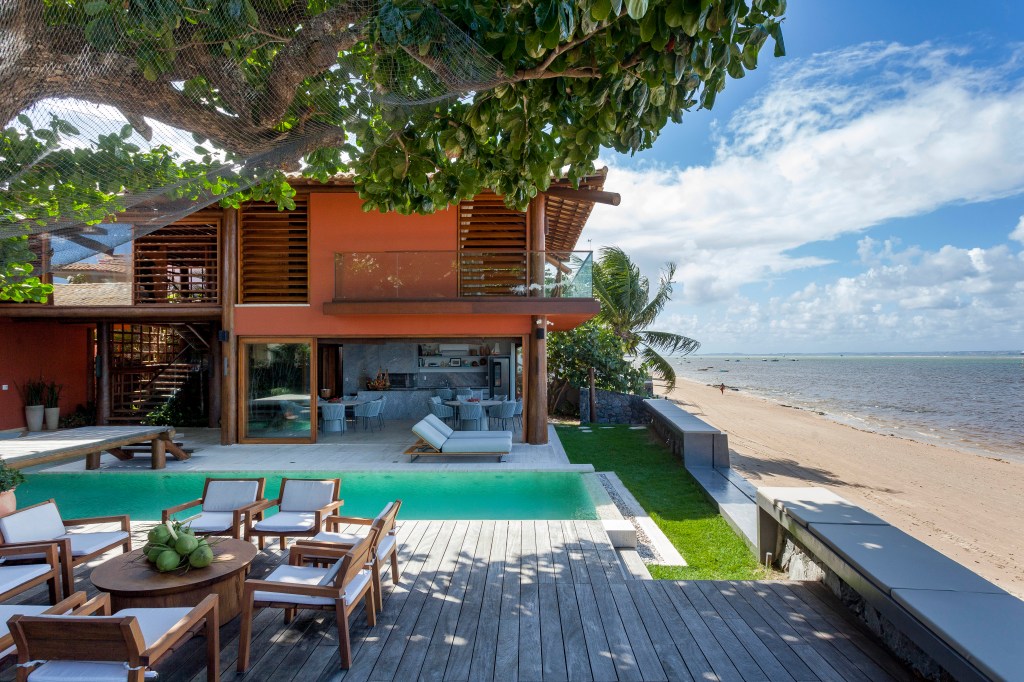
[501,376]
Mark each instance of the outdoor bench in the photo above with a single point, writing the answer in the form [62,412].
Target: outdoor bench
[966,624]
[699,444]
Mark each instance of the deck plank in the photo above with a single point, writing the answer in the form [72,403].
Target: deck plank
[479,600]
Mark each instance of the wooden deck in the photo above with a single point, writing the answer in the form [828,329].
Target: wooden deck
[547,600]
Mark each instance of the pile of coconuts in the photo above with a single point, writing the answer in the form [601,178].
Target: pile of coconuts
[172,546]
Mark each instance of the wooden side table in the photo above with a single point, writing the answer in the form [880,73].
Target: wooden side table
[134,583]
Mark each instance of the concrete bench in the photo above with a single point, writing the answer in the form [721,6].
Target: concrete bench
[698,443]
[968,625]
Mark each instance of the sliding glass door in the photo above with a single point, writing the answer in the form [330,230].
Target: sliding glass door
[277,404]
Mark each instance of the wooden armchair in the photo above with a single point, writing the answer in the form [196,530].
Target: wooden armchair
[226,505]
[7,650]
[15,579]
[84,646]
[42,523]
[385,547]
[338,588]
[303,506]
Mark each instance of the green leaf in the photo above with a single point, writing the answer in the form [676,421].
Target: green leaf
[675,12]
[126,131]
[780,44]
[94,7]
[658,96]
[25,121]
[566,20]
[636,9]
[601,9]
[648,26]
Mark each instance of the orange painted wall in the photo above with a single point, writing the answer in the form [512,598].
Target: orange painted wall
[53,351]
[339,225]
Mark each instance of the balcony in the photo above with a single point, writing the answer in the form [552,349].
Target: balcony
[453,282]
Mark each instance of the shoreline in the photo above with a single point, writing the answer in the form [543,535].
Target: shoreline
[962,503]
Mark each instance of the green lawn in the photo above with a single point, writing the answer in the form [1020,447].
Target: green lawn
[672,498]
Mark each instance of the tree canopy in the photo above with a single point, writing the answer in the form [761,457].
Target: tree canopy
[422,103]
[629,310]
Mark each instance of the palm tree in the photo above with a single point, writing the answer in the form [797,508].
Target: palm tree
[628,309]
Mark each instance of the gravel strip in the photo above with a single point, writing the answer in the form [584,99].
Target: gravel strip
[644,547]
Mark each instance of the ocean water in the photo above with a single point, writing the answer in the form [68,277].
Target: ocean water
[973,402]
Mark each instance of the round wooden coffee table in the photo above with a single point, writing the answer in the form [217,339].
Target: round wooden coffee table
[134,583]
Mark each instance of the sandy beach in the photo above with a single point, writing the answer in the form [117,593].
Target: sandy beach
[966,506]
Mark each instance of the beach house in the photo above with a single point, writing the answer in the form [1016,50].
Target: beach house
[252,314]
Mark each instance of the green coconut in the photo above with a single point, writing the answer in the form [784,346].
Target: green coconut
[154,551]
[168,560]
[186,544]
[201,557]
[159,535]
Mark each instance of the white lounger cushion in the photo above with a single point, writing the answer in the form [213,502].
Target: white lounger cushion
[488,445]
[304,496]
[891,559]
[286,522]
[434,421]
[225,496]
[153,623]
[13,576]
[459,435]
[429,434]
[35,523]
[984,628]
[308,575]
[815,505]
[211,522]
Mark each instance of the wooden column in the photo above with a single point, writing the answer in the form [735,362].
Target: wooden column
[214,380]
[229,349]
[537,403]
[103,379]
[536,409]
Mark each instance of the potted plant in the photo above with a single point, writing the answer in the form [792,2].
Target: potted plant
[32,393]
[52,405]
[10,478]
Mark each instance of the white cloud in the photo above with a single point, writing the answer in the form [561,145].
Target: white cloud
[838,143]
[1018,232]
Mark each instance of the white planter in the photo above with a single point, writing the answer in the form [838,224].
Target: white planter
[52,418]
[34,417]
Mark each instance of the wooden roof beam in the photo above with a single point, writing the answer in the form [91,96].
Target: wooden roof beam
[594,195]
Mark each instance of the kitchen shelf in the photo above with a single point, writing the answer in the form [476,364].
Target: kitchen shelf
[480,370]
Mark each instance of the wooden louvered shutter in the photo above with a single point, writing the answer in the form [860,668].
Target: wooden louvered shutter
[177,264]
[492,248]
[273,250]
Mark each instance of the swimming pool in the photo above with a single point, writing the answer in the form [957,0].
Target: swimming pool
[424,495]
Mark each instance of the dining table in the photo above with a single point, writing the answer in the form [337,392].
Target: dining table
[482,403]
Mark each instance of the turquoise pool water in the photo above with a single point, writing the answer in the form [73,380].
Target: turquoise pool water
[426,495]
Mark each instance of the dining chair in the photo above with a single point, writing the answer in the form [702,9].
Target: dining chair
[503,412]
[444,393]
[339,588]
[224,506]
[470,412]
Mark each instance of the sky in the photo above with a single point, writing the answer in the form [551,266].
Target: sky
[865,193]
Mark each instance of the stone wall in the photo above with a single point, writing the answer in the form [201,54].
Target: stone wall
[614,408]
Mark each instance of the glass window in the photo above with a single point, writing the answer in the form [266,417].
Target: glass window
[277,391]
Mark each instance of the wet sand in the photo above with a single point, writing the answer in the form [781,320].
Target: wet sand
[969,507]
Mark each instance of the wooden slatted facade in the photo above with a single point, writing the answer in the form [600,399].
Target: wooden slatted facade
[273,253]
[177,264]
[492,247]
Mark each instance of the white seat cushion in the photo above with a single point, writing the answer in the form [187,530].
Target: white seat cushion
[83,671]
[35,523]
[308,575]
[87,543]
[7,611]
[347,539]
[225,496]
[304,496]
[13,576]
[155,622]
[480,434]
[211,522]
[436,422]
[287,522]
[385,546]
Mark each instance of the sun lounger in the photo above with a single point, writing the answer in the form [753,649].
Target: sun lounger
[449,432]
[434,443]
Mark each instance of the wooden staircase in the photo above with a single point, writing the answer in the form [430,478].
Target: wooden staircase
[149,365]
